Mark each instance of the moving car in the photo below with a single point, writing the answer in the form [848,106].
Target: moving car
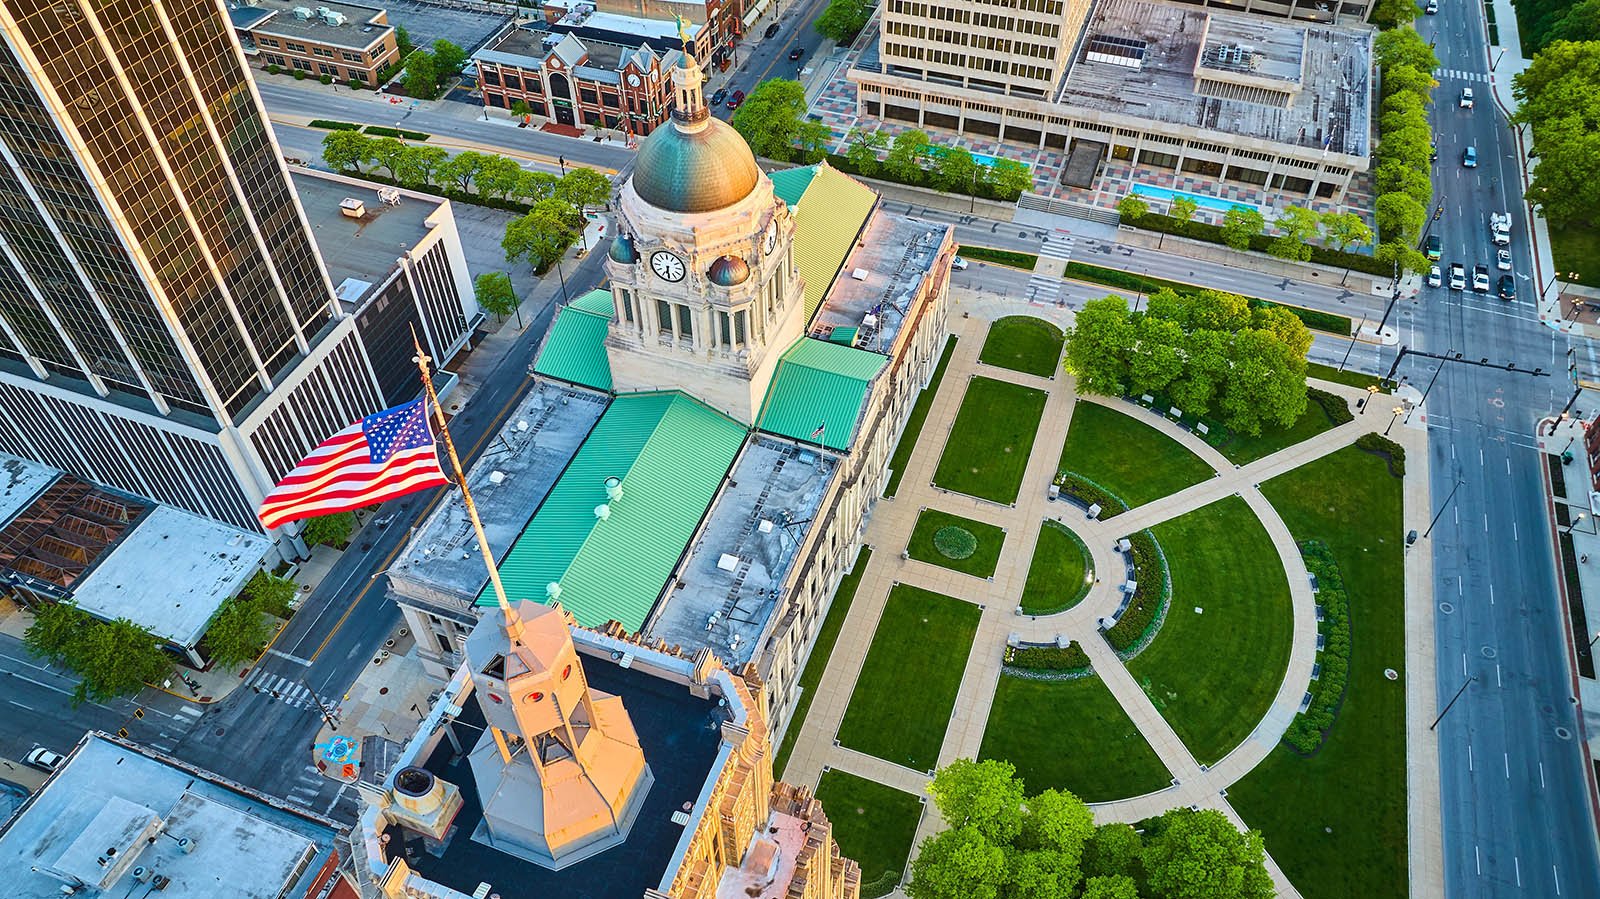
[736,99]
[958,264]
[1502,260]
[1508,288]
[1432,8]
[1466,98]
[772,29]
[719,96]
[1480,278]
[796,53]
[1434,277]
[43,759]
[1433,151]
[1469,158]
[1435,247]
[1458,276]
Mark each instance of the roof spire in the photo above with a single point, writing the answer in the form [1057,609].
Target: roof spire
[690,112]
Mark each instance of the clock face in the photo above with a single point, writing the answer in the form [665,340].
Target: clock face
[771,239]
[633,80]
[667,266]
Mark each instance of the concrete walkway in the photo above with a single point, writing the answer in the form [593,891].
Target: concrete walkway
[893,520]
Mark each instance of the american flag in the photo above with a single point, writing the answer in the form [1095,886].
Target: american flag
[821,429]
[385,455]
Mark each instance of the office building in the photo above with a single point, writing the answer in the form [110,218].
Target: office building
[344,41]
[577,82]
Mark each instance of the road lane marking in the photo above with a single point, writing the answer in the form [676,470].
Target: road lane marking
[1507,757]
[1514,530]
[307,662]
[1541,782]
[20,705]
[1557,875]
[1463,664]
[1517,862]
[1497,681]
[1469,756]
[1491,594]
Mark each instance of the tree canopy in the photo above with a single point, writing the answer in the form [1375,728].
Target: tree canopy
[237,633]
[1239,224]
[422,75]
[1559,98]
[583,188]
[1544,22]
[844,19]
[330,530]
[773,120]
[495,294]
[344,151]
[112,659]
[544,235]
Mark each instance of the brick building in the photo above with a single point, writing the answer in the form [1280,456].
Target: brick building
[578,82]
[341,40]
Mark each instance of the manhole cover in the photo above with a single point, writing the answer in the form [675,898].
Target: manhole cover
[383,691]
[1563,733]
[1488,652]
[220,731]
[1391,674]
[1446,608]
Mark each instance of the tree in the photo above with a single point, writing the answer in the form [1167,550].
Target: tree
[1183,208]
[329,530]
[55,629]
[1097,346]
[344,151]
[1284,325]
[1010,178]
[1157,355]
[904,161]
[422,75]
[498,176]
[1266,383]
[495,294]
[863,150]
[956,170]
[584,188]
[402,39]
[1389,13]
[535,186]
[270,593]
[116,659]
[417,165]
[770,117]
[1559,97]
[1132,208]
[1201,855]
[461,169]
[447,57]
[544,235]
[238,633]
[387,152]
[1113,849]
[1041,874]
[1206,367]
[1397,177]
[1400,217]
[1119,886]
[812,139]
[1345,230]
[986,796]
[1405,47]
[1406,78]
[1240,224]
[844,19]
[1402,254]
[957,864]
[1297,227]
[1057,821]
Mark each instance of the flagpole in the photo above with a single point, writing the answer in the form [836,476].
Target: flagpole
[461,478]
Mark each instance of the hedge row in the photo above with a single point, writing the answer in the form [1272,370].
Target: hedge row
[1087,493]
[1392,452]
[330,125]
[1336,406]
[1004,257]
[985,191]
[1314,319]
[1149,599]
[1066,659]
[1205,231]
[381,131]
[1311,726]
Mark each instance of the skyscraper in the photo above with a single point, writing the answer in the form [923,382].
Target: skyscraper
[166,326]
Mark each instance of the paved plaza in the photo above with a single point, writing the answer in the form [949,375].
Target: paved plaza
[890,527]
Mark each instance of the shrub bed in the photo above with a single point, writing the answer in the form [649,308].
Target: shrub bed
[1069,659]
[1309,727]
[1337,407]
[381,131]
[1205,231]
[329,125]
[985,191]
[1392,452]
[1003,257]
[955,542]
[1087,493]
[1149,601]
[1111,277]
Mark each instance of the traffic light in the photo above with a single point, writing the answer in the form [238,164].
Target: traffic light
[138,713]
[122,732]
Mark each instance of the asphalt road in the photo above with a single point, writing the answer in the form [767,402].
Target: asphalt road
[760,58]
[1516,813]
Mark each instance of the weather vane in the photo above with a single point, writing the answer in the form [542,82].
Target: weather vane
[683,33]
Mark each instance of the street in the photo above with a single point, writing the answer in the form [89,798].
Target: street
[769,57]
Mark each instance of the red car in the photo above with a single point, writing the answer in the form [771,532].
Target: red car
[736,99]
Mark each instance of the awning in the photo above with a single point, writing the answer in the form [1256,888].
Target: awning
[755,12]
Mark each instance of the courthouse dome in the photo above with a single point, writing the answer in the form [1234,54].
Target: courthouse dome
[695,167]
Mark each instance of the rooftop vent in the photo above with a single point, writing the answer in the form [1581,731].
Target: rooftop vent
[303,13]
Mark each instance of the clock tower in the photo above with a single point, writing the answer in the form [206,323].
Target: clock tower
[702,269]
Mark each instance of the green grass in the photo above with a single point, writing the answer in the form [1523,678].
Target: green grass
[1023,343]
[1242,449]
[1575,248]
[1012,258]
[919,414]
[979,564]
[817,662]
[1356,784]
[989,443]
[1128,457]
[1214,673]
[1314,319]
[1349,377]
[1070,735]
[1056,580]
[907,688]
[874,824]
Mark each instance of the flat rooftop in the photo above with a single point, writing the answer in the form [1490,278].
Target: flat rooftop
[617,23]
[1140,59]
[769,861]
[243,845]
[20,482]
[357,31]
[734,570]
[526,47]
[365,249]
[171,573]
[879,278]
[680,736]
[442,564]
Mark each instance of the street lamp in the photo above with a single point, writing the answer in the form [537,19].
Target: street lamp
[1398,411]
[1575,522]
[1372,391]
[1596,637]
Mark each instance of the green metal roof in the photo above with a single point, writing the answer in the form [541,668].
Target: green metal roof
[575,351]
[819,384]
[790,184]
[832,212]
[846,336]
[672,454]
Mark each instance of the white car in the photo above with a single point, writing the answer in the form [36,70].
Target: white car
[1502,260]
[43,759]
[1458,276]
[1434,277]
[1466,98]
[1432,8]
[958,264]
[1480,278]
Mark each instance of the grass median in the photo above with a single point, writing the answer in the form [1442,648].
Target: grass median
[919,414]
[873,824]
[1023,343]
[989,443]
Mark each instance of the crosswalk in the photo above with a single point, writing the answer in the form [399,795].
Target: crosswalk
[1045,289]
[293,693]
[167,736]
[1461,75]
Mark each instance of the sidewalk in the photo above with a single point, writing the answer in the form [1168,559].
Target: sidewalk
[384,705]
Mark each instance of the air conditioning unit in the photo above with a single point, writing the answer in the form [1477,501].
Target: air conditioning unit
[303,13]
[143,873]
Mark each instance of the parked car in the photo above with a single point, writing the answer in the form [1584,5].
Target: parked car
[1458,277]
[736,99]
[1469,158]
[1508,288]
[1480,278]
[772,29]
[1466,98]
[1435,247]
[719,96]
[1502,260]
[1433,151]
[1434,277]
[958,264]
[43,759]
[1432,8]
[796,53]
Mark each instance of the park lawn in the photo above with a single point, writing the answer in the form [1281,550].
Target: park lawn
[817,662]
[874,824]
[1056,575]
[907,688]
[1349,377]
[1023,343]
[1575,248]
[989,443]
[1356,783]
[980,564]
[1134,461]
[919,414]
[1070,735]
[1213,674]
[1242,449]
